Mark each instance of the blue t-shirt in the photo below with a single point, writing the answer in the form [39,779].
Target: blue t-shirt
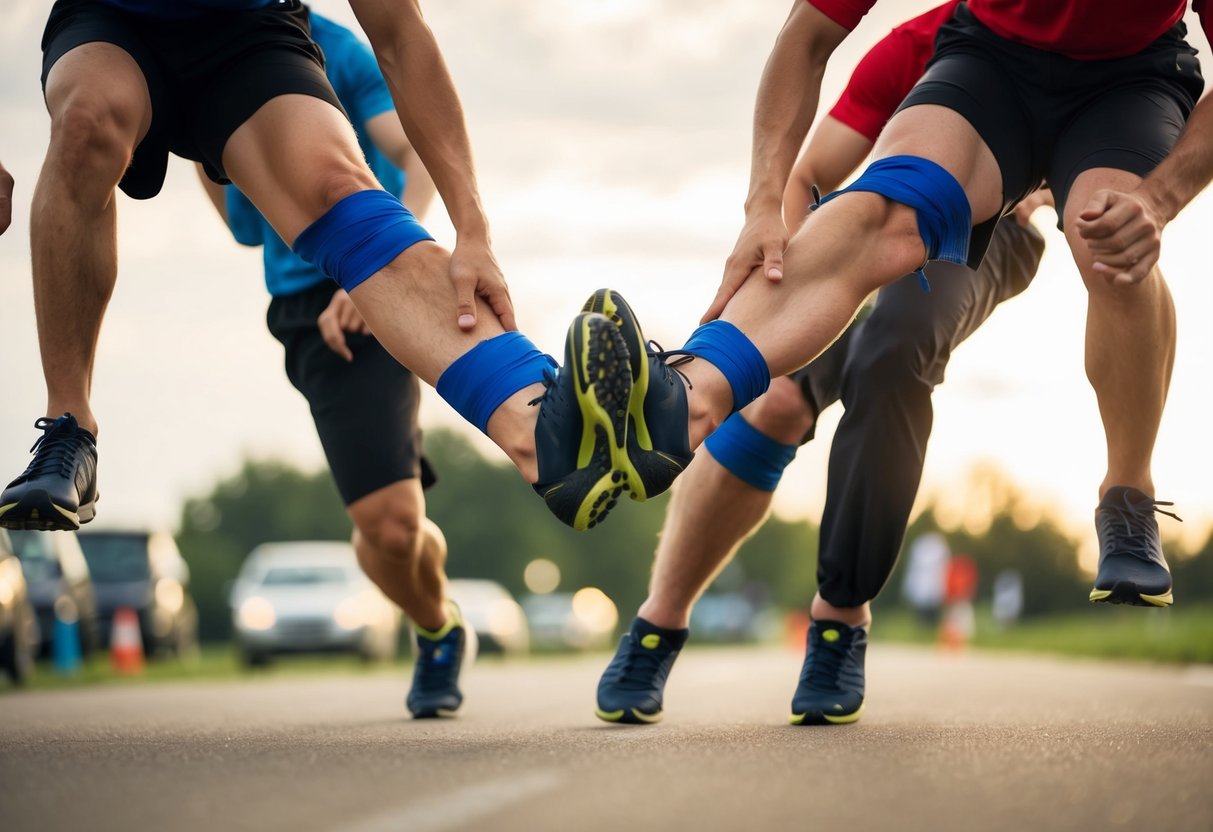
[180,9]
[356,79]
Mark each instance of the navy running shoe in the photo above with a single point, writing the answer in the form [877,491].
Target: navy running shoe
[58,491]
[440,659]
[582,426]
[1132,569]
[633,684]
[659,442]
[831,681]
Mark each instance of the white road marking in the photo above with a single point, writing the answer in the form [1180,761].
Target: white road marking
[461,806]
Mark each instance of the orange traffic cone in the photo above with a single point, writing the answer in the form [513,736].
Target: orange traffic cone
[126,643]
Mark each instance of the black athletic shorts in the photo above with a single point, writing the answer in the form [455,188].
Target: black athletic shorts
[206,75]
[1048,118]
[365,410]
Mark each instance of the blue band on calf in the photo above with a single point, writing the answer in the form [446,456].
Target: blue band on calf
[749,454]
[359,236]
[489,373]
[729,350]
[945,220]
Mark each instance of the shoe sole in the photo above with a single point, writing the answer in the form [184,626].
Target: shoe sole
[628,716]
[1124,592]
[36,511]
[605,302]
[818,718]
[440,713]
[600,348]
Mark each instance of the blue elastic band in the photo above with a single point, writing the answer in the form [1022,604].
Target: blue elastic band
[359,236]
[489,373]
[945,220]
[729,350]
[749,454]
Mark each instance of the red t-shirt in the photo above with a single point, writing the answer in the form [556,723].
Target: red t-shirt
[885,75]
[1086,30]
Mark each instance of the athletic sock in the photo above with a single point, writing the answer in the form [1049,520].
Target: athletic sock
[672,638]
[482,378]
[453,620]
[728,349]
[749,454]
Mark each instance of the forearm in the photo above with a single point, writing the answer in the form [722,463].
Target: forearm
[428,106]
[787,102]
[1188,168]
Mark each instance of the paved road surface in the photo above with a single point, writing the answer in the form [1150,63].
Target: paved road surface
[978,742]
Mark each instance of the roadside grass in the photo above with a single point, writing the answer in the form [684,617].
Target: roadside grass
[1178,636]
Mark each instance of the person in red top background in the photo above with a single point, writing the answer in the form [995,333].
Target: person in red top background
[883,369]
[1099,100]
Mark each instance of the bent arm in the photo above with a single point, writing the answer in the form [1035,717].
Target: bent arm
[834,152]
[387,135]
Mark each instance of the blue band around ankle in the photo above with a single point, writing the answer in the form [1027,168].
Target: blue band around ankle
[727,348]
[489,373]
[359,236]
[749,454]
[945,220]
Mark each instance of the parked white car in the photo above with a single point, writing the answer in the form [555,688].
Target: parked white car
[493,613]
[310,597]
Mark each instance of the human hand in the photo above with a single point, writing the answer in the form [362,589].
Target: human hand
[1027,207]
[338,318]
[1123,231]
[759,250]
[475,273]
[6,199]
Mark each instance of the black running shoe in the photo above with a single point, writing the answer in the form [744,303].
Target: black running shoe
[632,685]
[582,425]
[1132,569]
[435,691]
[659,444]
[58,491]
[831,681]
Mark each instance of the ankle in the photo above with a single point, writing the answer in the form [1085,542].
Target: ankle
[512,428]
[666,616]
[823,610]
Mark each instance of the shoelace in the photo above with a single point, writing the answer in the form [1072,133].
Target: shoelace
[55,450]
[640,667]
[682,357]
[1136,518]
[824,665]
[549,384]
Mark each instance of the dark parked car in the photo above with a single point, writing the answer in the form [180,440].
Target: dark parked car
[144,571]
[57,575]
[18,626]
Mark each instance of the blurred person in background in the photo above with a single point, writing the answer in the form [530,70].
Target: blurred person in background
[354,386]
[239,86]
[6,199]
[883,369]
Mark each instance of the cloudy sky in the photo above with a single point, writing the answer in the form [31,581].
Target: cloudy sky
[612,141]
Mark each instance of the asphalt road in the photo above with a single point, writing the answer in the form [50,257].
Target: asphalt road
[978,741]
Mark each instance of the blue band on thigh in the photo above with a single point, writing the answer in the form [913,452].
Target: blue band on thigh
[945,220]
[489,373]
[728,349]
[359,236]
[749,454]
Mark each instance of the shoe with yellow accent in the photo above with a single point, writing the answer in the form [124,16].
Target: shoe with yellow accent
[1132,569]
[441,657]
[58,490]
[658,440]
[633,685]
[582,425]
[831,681]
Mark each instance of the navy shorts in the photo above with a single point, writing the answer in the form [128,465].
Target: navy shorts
[1048,118]
[365,410]
[206,75]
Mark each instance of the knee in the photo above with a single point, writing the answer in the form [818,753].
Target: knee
[395,532]
[338,177]
[94,136]
[782,413]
